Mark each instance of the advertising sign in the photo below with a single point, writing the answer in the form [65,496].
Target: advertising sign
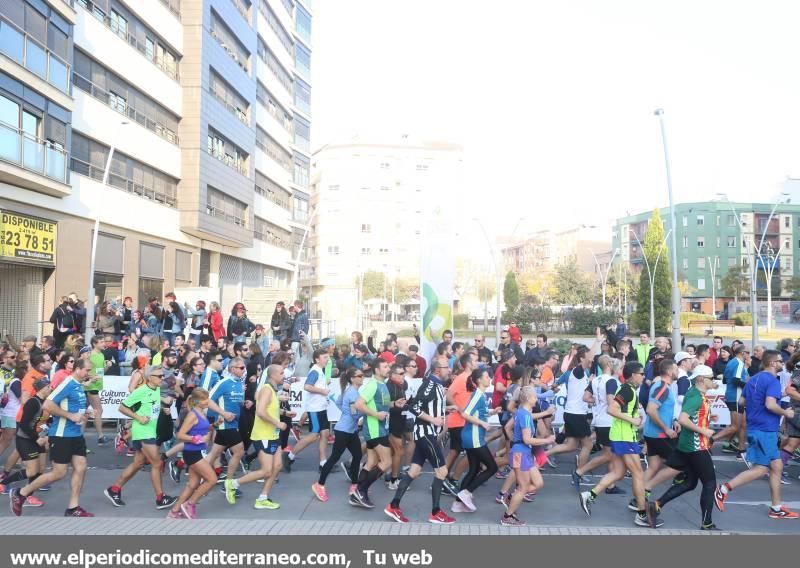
[23,237]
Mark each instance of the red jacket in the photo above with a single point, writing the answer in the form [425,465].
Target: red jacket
[516,336]
[422,367]
[215,325]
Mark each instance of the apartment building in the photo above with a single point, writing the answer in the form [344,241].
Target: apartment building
[545,249]
[206,105]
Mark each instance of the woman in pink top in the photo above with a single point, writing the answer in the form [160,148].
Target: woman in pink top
[65,367]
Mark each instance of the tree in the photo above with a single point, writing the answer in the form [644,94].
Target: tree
[655,247]
[792,287]
[373,285]
[573,286]
[736,283]
[541,285]
[532,316]
[511,293]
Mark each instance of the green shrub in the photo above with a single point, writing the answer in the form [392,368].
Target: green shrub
[461,321]
[686,317]
[532,317]
[562,346]
[585,320]
[744,318]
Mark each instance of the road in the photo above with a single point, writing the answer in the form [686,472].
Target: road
[555,506]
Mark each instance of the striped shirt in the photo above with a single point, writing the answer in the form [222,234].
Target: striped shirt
[431,400]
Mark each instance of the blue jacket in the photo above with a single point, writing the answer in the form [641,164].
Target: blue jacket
[300,324]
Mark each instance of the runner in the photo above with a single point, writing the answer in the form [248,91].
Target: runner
[693,453]
[317,409]
[194,432]
[67,405]
[660,433]
[397,386]
[527,474]
[374,402]
[763,412]
[792,425]
[624,410]
[93,388]
[458,396]
[346,432]
[143,406]
[226,399]
[429,408]
[265,438]
[32,437]
[473,439]
[735,377]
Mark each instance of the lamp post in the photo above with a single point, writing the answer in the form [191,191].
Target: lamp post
[676,294]
[92,259]
[604,278]
[651,275]
[713,265]
[769,270]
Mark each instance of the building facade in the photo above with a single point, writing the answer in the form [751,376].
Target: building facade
[370,200]
[544,250]
[206,106]
[711,241]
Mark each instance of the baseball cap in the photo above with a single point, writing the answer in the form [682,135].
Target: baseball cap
[86,349]
[683,355]
[41,383]
[327,342]
[702,370]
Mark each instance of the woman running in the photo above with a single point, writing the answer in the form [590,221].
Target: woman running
[194,434]
[346,432]
[473,439]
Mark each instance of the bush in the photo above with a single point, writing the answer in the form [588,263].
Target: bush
[532,317]
[686,317]
[743,318]
[585,320]
[461,321]
[562,346]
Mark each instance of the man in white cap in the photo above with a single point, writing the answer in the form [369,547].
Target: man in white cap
[685,361]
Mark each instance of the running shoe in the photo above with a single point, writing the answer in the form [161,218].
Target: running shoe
[529,497]
[395,513]
[711,527]
[585,501]
[632,503]
[17,501]
[102,441]
[238,491]
[174,471]
[165,502]
[405,468]
[641,520]
[511,521]
[46,488]
[360,499]
[782,513]
[346,469]
[351,499]
[266,504]
[459,507]
[450,488]
[680,478]
[189,510]
[78,512]
[368,502]
[576,481]
[614,491]
[319,492]
[785,479]
[114,496]
[175,514]
[499,497]
[742,457]
[731,449]
[287,462]
[130,453]
[503,473]
[5,489]
[719,499]
[393,485]
[466,498]
[551,462]
[441,518]
[33,501]
[221,477]
[230,492]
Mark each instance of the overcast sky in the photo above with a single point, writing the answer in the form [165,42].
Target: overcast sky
[553,101]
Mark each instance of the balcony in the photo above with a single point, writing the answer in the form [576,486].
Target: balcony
[272,239]
[229,160]
[231,52]
[35,57]
[242,9]
[85,169]
[220,214]
[234,110]
[124,109]
[32,155]
[273,197]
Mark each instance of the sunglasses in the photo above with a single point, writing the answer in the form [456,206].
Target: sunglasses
[398,373]
[157,375]
[238,367]
[71,361]
[219,360]
[359,375]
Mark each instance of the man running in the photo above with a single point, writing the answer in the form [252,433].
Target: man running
[143,406]
[735,375]
[317,391]
[228,396]
[693,453]
[763,412]
[31,441]
[430,409]
[67,405]
[624,410]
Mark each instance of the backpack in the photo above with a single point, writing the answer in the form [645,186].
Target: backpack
[67,320]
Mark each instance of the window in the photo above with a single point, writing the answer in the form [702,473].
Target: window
[117,102]
[719,242]
[302,60]
[334,250]
[685,242]
[226,152]
[701,220]
[283,76]
[701,283]
[222,205]
[283,116]
[300,209]
[686,264]
[366,228]
[732,261]
[787,222]
[302,23]
[276,26]
[119,25]
[301,170]
[268,188]
[149,49]
[302,134]
[685,221]
[383,251]
[150,289]
[228,41]
[731,242]
[701,262]
[183,266]
[273,149]
[718,219]
[302,96]
[365,250]
[228,96]
[151,261]
[266,232]
[787,244]
[701,242]
[731,220]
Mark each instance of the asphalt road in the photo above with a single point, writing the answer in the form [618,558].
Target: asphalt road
[555,506]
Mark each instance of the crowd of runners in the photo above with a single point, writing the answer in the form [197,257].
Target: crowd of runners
[469,412]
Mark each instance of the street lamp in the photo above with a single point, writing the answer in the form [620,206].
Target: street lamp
[713,265]
[676,294]
[651,275]
[604,278]
[90,291]
[769,270]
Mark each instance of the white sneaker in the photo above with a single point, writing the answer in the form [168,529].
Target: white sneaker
[459,507]
[466,498]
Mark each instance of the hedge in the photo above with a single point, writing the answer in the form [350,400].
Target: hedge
[686,317]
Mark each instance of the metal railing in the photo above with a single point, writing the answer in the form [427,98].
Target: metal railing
[123,108]
[271,239]
[241,8]
[219,213]
[34,56]
[32,153]
[120,182]
[174,6]
[277,27]
[278,155]
[273,197]
[236,111]
[289,5]
[230,51]
[229,161]
[274,108]
[168,66]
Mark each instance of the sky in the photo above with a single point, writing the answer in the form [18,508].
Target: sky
[553,101]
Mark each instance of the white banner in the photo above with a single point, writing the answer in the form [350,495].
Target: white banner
[115,390]
[297,399]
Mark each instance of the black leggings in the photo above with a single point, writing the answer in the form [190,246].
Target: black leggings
[343,441]
[284,434]
[700,467]
[478,457]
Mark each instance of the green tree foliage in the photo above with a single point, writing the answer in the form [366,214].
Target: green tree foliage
[511,293]
[736,283]
[573,286]
[653,244]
